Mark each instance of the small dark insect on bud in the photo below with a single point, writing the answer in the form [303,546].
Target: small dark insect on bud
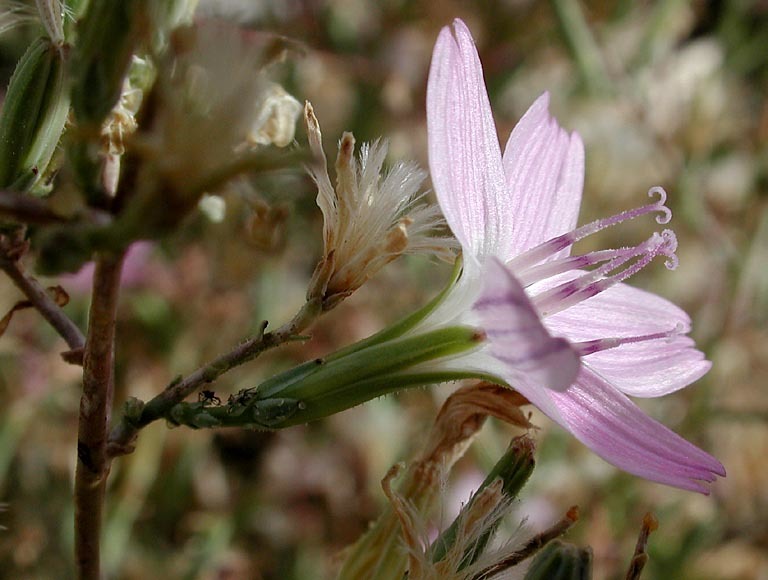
[208,397]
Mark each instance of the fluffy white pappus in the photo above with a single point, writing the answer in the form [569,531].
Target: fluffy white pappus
[372,215]
[480,518]
[215,102]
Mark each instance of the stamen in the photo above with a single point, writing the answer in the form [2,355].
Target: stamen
[592,346]
[666,216]
[552,268]
[542,251]
[569,293]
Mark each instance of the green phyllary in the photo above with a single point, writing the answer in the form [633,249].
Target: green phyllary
[33,116]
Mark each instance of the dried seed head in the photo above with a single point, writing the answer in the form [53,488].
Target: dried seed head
[371,216]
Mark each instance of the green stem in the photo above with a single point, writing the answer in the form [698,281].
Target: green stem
[665,13]
[580,41]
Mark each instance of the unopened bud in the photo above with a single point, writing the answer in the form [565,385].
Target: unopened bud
[510,473]
[561,561]
[110,33]
[351,377]
[33,115]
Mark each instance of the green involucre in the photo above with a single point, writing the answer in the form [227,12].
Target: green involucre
[561,561]
[323,387]
[110,33]
[33,116]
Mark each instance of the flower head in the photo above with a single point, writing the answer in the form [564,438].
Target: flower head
[563,330]
[214,103]
[371,217]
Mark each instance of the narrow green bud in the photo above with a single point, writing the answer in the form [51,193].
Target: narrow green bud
[514,468]
[110,33]
[347,379]
[561,561]
[33,115]
[323,387]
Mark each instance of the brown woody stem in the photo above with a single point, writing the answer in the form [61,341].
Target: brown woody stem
[98,382]
[27,209]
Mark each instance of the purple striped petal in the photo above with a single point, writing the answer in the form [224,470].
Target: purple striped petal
[612,426]
[544,168]
[464,153]
[591,408]
[516,336]
[644,369]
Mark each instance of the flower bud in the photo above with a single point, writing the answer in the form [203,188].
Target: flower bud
[347,379]
[561,561]
[110,32]
[323,387]
[33,115]
[512,471]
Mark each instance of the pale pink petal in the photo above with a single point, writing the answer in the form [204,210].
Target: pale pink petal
[544,168]
[516,336]
[464,153]
[613,427]
[644,369]
[651,369]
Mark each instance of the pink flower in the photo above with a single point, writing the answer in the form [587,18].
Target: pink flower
[135,270]
[563,330]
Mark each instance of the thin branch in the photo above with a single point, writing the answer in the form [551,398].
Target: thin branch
[640,557]
[98,383]
[27,209]
[123,434]
[43,302]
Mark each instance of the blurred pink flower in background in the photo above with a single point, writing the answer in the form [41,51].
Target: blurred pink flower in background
[135,270]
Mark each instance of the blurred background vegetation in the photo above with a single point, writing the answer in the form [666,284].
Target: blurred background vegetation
[669,93]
